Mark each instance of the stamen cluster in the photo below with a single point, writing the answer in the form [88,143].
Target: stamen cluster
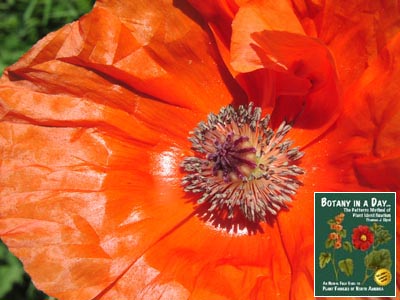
[241,164]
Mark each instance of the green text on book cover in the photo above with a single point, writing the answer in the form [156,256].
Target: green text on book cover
[354,244]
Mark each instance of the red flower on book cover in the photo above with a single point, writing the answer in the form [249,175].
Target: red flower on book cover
[102,194]
[362,238]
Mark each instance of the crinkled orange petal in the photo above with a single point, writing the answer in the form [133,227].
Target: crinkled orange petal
[368,132]
[214,264]
[94,125]
[388,167]
[234,39]
[358,154]
[296,225]
[85,185]
[280,69]
[90,169]
[355,32]
[299,80]
[130,43]
[219,15]
[69,224]
[52,205]
[304,65]
[257,16]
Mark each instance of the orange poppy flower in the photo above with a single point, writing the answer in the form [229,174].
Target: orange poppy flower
[94,137]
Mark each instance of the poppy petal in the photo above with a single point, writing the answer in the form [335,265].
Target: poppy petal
[368,132]
[355,32]
[307,93]
[69,211]
[211,263]
[172,66]
[299,70]
[93,131]
[68,181]
[258,16]
[43,99]
[296,225]
[38,188]
[219,15]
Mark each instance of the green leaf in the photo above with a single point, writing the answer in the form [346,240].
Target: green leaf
[46,12]
[347,246]
[331,221]
[329,243]
[346,266]
[11,271]
[381,235]
[324,259]
[26,21]
[343,233]
[14,283]
[378,259]
[376,227]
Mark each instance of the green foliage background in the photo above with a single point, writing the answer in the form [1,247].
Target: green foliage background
[22,24]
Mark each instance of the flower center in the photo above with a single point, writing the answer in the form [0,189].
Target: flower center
[232,157]
[241,165]
[363,237]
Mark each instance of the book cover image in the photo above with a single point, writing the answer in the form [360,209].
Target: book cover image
[354,244]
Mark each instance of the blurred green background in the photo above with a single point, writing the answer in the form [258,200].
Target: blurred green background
[23,23]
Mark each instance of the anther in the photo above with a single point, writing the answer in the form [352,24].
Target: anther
[241,164]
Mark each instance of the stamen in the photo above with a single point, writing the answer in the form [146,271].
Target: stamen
[242,165]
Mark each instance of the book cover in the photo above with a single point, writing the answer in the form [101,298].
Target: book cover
[354,244]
